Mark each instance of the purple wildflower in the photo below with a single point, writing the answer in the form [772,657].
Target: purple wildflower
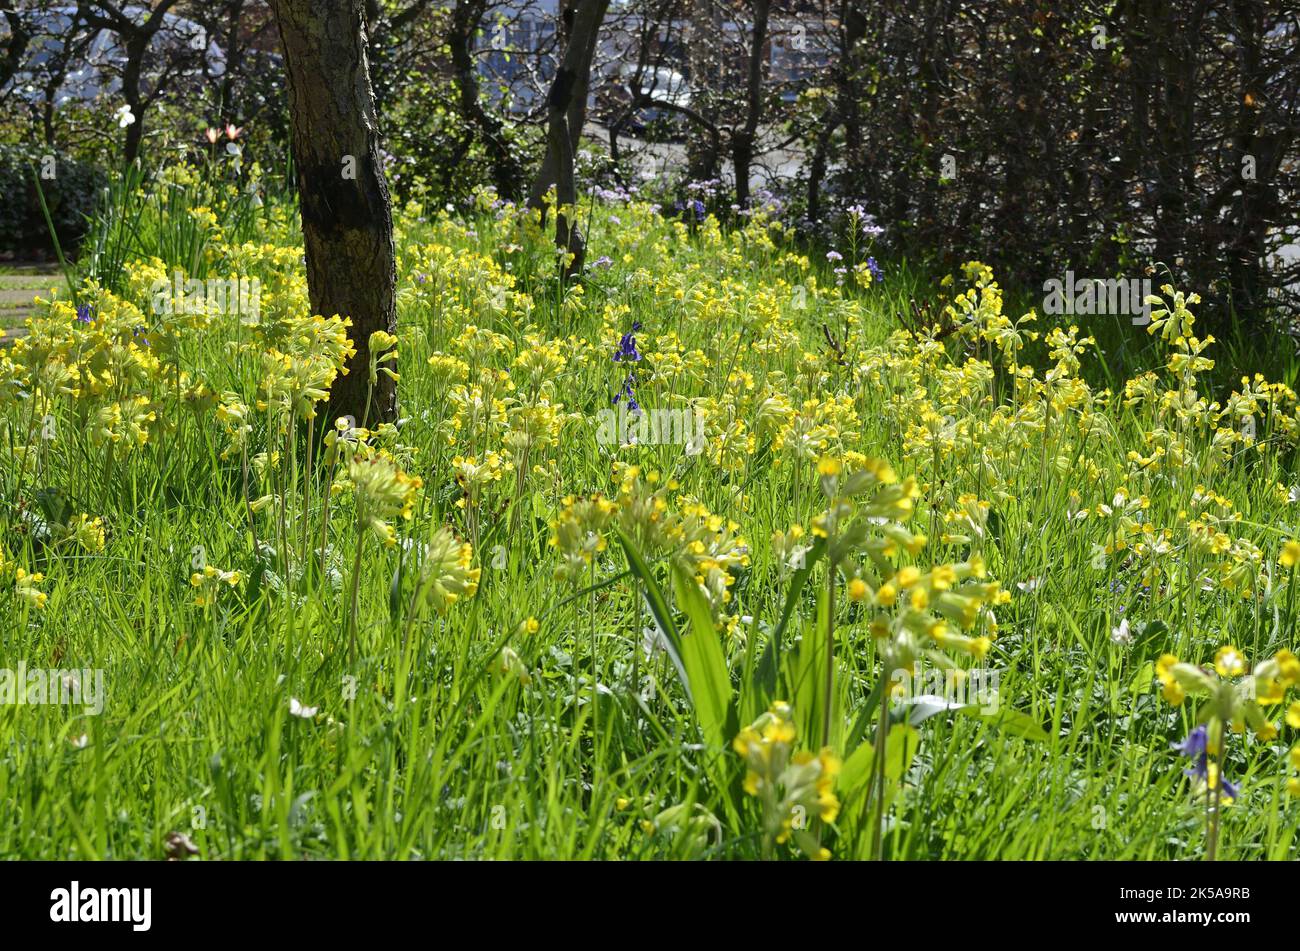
[1196,747]
[628,395]
[627,345]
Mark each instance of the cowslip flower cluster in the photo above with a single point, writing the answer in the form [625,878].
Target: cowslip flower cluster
[208,584]
[1235,699]
[578,534]
[24,583]
[792,787]
[381,492]
[447,574]
[914,612]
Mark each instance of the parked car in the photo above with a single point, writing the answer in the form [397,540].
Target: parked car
[666,87]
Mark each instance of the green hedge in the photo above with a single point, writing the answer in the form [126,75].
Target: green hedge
[70,195]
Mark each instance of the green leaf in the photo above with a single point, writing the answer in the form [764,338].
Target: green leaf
[1142,680]
[855,771]
[868,710]
[658,604]
[916,710]
[900,748]
[708,681]
[807,680]
[771,661]
[1014,722]
[395,591]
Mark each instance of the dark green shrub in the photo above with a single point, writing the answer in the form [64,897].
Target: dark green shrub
[70,195]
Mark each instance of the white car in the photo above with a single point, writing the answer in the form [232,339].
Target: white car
[659,83]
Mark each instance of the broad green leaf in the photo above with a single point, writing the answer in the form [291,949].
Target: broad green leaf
[855,771]
[702,656]
[658,604]
[771,662]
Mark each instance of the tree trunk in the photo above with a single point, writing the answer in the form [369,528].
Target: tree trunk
[508,175]
[567,108]
[705,68]
[135,52]
[19,38]
[743,139]
[347,218]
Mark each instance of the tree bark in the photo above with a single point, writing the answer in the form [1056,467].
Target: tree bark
[347,218]
[566,112]
[705,68]
[742,139]
[508,175]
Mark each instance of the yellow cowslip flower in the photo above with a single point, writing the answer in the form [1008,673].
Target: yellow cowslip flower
[446,572]
[25,587]
[858,589]
[828,466]
[792,787]
[382,491]
[1164,666]
[1269,690]
[232,414]
[509,664]
[1289,556]
[209,582]
[1229,662]
[382,350]
[1293,715]
[1288,667]
[578,533]
[88,533]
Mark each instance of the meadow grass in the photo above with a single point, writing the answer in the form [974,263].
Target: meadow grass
[539,716]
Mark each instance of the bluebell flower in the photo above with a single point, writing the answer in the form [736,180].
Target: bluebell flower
[84,315]
[874,268]
[698,207]
[627,345]
[1196,747]
[1194,744]
[628,395]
